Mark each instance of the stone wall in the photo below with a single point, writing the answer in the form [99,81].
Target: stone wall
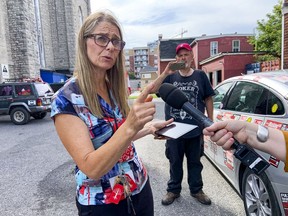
[39,34]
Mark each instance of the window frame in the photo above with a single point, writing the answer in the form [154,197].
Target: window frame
[213,48]
[235,48]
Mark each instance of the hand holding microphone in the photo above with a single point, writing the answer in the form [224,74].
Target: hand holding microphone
[177,99]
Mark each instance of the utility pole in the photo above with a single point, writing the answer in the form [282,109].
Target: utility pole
[181,33]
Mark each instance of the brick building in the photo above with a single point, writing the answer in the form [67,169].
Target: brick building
[39,35]
[220,56]
[138,58]
[285,35]
[223,56]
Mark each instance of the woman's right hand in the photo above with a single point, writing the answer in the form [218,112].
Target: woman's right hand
[142,110]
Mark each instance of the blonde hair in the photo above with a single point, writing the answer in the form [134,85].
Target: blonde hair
[84,68]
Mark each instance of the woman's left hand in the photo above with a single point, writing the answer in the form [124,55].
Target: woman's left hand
[156,125]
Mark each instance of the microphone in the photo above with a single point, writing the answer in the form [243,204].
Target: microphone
[175,98]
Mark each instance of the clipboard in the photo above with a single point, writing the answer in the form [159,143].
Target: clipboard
[175,130]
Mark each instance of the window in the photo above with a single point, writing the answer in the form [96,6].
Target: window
[220,93]
[245,97]
[236,46]
[252,98]
[213,48]
[274,105]
[6,90]
[23,90]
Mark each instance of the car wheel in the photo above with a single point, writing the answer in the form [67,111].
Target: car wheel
[19,116]
[39,115]
[258,195]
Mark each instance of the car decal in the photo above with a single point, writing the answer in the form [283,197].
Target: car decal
[31,102]
[273,124]
[229,159]
[208,144]
[284,199]
[274,161]
[256,78]
[258,121]
[243,118]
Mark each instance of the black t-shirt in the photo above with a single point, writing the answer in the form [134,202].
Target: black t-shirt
[197,88]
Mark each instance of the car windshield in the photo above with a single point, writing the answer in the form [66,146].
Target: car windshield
[43,88]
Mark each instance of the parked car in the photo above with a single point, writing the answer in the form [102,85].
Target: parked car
[261,98]
[21,100]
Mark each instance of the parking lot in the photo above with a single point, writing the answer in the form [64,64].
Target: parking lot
[37,175]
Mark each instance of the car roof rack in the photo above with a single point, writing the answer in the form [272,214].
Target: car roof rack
[25,80]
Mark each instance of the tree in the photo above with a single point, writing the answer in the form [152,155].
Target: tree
[268,38]
[132,75]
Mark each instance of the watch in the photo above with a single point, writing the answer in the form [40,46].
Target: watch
[262,133]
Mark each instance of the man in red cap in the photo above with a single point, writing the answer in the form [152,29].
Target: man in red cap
[183,46]
[197,88]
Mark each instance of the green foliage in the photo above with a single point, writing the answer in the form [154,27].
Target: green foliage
[268,38]
[131,75]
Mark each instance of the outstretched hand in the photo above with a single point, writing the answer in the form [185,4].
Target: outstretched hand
[223,132]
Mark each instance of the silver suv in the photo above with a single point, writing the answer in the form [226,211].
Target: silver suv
[21,100]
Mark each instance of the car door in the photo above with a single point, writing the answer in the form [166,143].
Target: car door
[210,148]
[5,97]
[246,102]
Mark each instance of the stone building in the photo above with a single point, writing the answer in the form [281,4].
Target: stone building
[39,35]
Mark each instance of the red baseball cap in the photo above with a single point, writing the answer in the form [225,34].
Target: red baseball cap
[183,46]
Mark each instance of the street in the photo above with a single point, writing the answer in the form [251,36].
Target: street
[37,175]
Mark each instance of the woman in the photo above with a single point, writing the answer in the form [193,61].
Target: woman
[270,140]
[94,123]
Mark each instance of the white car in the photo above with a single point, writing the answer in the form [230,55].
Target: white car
[261,98]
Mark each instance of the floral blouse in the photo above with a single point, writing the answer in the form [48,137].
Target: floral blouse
[68,100]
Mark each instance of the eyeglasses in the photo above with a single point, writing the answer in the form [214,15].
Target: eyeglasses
[103,40]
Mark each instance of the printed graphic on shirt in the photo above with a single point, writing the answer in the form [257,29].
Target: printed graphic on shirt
[191,90]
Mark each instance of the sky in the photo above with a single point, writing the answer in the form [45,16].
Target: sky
[143,20]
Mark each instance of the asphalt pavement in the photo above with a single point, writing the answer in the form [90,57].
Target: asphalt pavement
[225,201]
[37,175]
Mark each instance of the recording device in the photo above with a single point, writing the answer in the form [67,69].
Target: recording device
[177,66]
[244,153]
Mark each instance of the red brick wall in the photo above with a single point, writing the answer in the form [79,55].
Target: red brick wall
[162,66]
[230,65]
[151,60]
[285,35]
[224,45]
[235,65]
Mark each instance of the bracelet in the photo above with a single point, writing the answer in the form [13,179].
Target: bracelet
[262,133]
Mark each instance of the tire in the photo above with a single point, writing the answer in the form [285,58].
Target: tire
[39,115]
[19,116]
[258,195]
